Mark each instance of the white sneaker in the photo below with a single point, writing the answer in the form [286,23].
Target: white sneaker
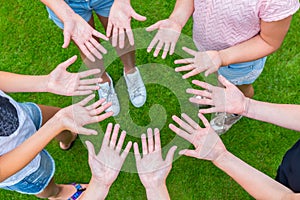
[223,121]
[136,88]
[107,92]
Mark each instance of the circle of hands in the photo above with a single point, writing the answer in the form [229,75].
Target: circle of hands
[152,168]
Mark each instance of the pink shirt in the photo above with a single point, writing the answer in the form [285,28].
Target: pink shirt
[220,24]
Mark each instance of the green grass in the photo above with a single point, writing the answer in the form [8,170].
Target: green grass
[31,44]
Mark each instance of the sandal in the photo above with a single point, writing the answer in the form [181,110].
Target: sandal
[79,191]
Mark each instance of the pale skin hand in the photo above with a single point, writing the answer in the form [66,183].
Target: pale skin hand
[207,62]
[228,99]
[77,29]
[62,82]
[106,165]
[207,143]
[80,114]
[166,37]
[119,22]
[152,169]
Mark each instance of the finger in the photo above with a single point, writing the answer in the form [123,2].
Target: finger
[90,148]
[88,87]
[158,48]
[86,131]
[184,61]
[152,44]
[190,121]
[114,136]
[202,101]
[89,72]
[187,127]
[130,36]
[109,29]
[192,73]
[67,38]
[189,51]
[120,142]
[115,37]
[166,50]
[100,35]
[95,105]
[157,140]
[185,68]
[181,132]
[204,120]
[144,144]
[137,16]
[121,38]
[86,52]
[126,150]
[98,46]
[90,81]
[188,152]
[107,134]
[210,71]
[153,26]
[210,110]
[100,118]
[86,100]
[170,155]
[93,50]
[204,85]
[202,93]
[136,151]
[150,140]
[101,109]
[64,65]
[81,93]
[224,81]
[172,49]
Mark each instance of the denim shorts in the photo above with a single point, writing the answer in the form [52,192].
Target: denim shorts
[36,182]
[243,73]
[84,8]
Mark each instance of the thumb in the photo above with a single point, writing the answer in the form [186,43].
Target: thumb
[90,148]
[209,71]
[67,38]
[224,81]
[64,65]
[137,16]
[170,155]
[188,152]
[153,26]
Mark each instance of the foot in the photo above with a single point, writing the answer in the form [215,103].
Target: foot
[66,191]
[136,88]
[68,146]
[107,92]
[222,122]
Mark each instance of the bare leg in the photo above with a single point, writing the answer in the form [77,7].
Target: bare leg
[127,54]
[58,191]
[66,137]
[247,90]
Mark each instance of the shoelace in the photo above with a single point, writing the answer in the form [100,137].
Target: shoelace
[135,87]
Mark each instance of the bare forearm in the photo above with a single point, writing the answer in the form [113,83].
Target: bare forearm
[182,12]
[160,192]
[11,82]
[60,8]
[285,115]
[95,190]
[15,160]
[256,183]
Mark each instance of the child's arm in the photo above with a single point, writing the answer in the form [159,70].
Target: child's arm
[169,29]
[266,42]
[209,146]
[59,81]
[77,29]
[65,119]
[230,99]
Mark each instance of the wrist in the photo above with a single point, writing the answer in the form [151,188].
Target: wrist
[223,57]
[178,24]
[157,192]
[246,106]
[222,156]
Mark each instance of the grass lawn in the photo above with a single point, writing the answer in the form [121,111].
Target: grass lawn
[30,43]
